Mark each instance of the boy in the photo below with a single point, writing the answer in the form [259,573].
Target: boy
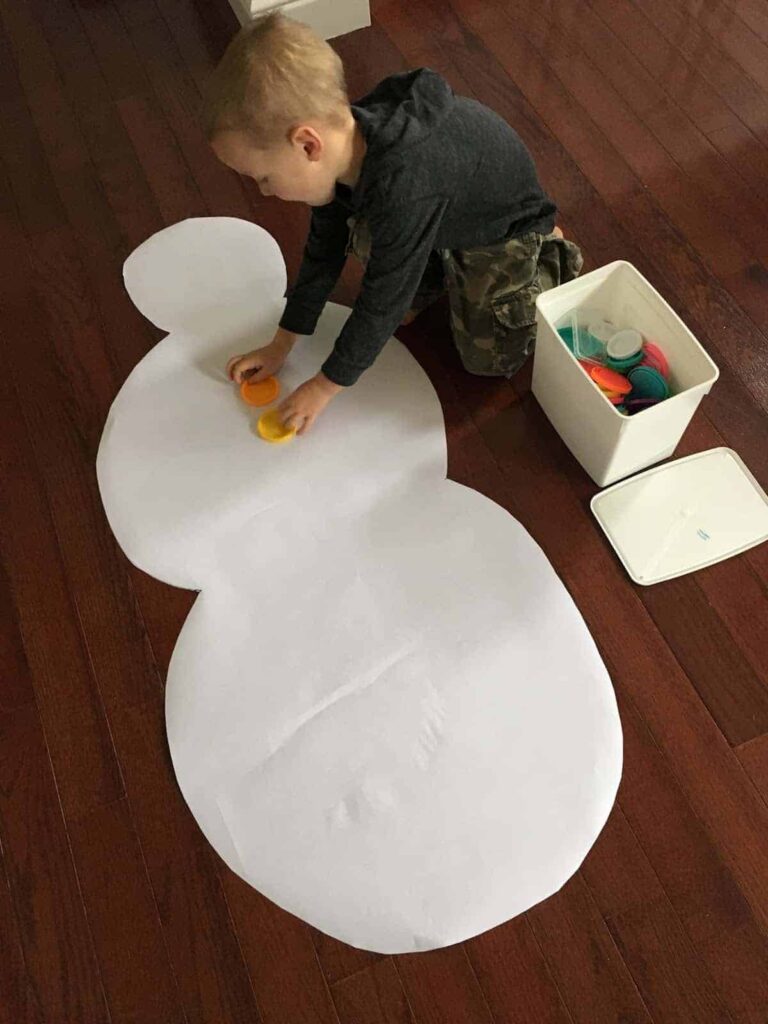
[432,191]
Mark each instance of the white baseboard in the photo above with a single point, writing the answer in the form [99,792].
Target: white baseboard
[328,18]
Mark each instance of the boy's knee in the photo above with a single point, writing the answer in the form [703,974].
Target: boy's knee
[500,354]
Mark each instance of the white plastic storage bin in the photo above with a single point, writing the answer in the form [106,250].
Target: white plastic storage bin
[608,444]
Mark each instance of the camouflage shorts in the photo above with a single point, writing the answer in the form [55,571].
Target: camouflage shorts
[492,292]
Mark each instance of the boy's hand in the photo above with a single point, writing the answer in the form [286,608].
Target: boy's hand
[301,409]
[262,362]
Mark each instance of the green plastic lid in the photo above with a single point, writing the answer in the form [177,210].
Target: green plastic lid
[648,383]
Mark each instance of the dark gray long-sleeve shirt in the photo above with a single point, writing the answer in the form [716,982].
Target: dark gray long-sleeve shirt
[440,172]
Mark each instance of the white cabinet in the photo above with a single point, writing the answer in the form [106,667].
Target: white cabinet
[328,18]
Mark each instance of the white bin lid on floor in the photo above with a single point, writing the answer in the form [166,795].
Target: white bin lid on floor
[683,516]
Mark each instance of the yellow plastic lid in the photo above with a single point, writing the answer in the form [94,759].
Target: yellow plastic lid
[271,428]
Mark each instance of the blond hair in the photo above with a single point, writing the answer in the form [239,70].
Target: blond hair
[275,75]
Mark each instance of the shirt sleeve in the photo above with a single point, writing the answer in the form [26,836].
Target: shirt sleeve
[324,257]
[402,239]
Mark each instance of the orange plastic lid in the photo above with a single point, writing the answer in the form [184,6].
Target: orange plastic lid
[610,380]
[271,428]
[261,392]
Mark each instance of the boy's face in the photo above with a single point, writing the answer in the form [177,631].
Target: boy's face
[298,170]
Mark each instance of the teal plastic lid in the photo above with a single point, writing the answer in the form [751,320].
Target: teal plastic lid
[648,383]
[622,365]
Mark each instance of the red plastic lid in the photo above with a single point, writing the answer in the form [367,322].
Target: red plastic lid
[655,358]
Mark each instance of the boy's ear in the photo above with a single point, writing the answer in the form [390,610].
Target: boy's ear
[309,140]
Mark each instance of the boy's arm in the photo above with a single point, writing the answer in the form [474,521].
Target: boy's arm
[402,240]
[324,257]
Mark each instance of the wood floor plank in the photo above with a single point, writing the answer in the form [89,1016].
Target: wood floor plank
[441,986]
[374,995]
[100,235]
[58,951]
[202,32]
[338,960]
[735,589]
[696,215]
[16,688]
[681,79]
[575,26]
[179,99]
[106,605]
[748,285]
[175,191]
[97,143]
[754,756]
[636,867]
[515,977]
[665,967]
[691,43]
[732,36]
[753,14]
[117,58]
[123,918]
[208,964]
[593,980]
[70,706]
[107,142]
[20,151]
[745,159]
[16,1005]
[407,31]
[735,694]
[136,12]
[278,950]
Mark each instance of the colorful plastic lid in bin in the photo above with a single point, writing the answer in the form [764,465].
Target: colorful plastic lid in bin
[608,380]
[611,356]
[624,350]
[624,365]
[578,336]
[655,358]
[624,345]
[648,383]
[602,331]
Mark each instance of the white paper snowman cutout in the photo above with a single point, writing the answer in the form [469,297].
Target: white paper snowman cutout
[384,710]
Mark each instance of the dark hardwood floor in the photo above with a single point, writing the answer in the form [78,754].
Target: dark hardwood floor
[649,123]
